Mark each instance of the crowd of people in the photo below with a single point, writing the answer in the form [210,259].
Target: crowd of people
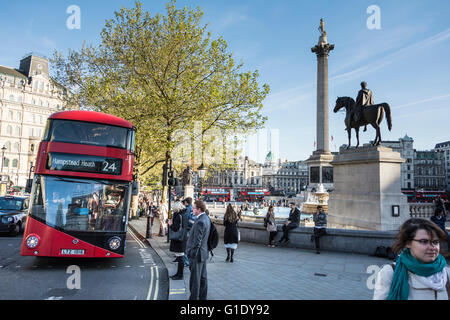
[419,271]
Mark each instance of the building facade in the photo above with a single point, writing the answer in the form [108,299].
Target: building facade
[444,147]
[406,149]
[245,173]
[28,96]
[429,170]
[288,176]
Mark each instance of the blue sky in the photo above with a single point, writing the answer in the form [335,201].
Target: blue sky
[406,63]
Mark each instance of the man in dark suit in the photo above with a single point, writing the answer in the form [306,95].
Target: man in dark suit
[197,252]
[292,223]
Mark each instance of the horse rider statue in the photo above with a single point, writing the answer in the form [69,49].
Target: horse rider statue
[364,99]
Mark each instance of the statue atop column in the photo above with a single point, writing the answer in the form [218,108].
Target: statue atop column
[322,28]
[323,33]
[323,47]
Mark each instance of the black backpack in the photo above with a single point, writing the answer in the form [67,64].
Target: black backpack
[213,238]
[384,252]
[381,252]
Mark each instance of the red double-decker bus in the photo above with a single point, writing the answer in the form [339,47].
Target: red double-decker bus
[219,194]
[251,194]
[82,187]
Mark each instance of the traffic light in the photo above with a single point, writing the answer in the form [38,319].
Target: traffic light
[172,181]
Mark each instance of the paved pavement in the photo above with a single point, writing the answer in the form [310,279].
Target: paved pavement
[262,273]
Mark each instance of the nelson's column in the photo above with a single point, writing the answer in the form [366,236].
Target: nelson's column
[320,169]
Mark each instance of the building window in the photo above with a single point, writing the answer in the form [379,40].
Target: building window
[15,163]
[9,131]
[6,162]
[10,115]
[17,131]
[16,146]
[11,98]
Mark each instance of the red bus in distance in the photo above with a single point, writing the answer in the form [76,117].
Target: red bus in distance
[82,187]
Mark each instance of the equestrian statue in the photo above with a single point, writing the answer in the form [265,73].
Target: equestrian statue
[363,112]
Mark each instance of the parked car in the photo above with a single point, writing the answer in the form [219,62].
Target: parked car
[13,214]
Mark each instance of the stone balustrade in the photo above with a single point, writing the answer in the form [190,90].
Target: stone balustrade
[421,210]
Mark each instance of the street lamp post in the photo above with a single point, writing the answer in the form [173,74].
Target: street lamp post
[201,175]
[3,156]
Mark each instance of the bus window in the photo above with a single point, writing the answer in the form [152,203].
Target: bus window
[88,133]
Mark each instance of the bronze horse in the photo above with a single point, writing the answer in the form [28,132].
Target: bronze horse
[372,115]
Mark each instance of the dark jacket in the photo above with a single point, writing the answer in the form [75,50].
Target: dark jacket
[294,217]
[179,217]
[320,220]
[439,221]
[230,234]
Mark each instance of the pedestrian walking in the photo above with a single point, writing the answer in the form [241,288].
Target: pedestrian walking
[439,219]
[231,233]
[178,247]
[320,224]
[197,252]
[292,223]
[439,204]
[420,272]
[152,212]
[271,226]
[163,214]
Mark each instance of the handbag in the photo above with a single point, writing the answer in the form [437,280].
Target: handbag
[179,234]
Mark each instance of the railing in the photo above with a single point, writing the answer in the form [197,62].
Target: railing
[421,210]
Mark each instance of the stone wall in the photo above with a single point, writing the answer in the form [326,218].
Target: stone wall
[340,240]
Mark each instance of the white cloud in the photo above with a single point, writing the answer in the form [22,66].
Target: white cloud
[390,58]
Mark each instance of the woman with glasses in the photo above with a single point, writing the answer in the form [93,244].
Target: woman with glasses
[420,272]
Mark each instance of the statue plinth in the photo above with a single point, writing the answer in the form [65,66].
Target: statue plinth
[367,190]
[189,191]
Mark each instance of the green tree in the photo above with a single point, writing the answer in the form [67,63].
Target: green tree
[163,73]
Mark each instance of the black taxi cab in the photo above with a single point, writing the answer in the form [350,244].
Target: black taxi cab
[13,214]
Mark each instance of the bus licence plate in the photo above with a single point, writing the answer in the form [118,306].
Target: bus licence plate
[72,252]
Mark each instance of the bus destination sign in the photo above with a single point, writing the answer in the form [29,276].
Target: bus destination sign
[83,163]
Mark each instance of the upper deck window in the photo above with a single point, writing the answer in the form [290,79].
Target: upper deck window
[96,134]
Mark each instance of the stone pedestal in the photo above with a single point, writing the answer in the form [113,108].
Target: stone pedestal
[320,170]
[189,192]
[367,190]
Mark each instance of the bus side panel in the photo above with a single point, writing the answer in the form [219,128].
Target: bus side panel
[45,234]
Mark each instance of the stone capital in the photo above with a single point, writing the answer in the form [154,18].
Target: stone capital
[322,49]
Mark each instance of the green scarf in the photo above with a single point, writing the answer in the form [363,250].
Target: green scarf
[400,285]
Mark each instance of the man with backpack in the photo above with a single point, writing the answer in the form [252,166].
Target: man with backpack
[197,252]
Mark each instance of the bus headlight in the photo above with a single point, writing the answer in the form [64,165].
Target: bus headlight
[114,243]
[32,241]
